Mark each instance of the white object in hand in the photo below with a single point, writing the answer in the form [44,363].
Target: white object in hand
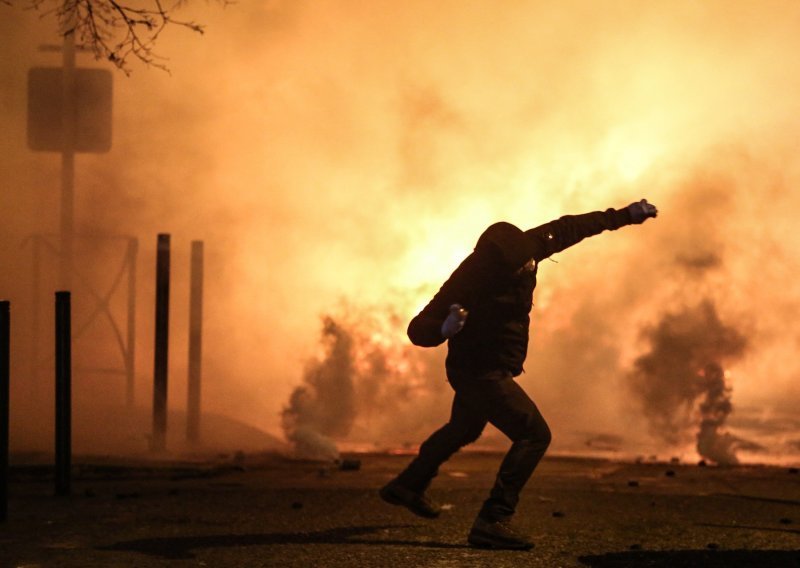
[454,321]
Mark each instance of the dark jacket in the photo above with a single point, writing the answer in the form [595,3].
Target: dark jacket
[495,285]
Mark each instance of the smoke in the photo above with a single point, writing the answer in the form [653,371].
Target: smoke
[682,383]
[332,150]
[324,406]
[365,387]
[712,441]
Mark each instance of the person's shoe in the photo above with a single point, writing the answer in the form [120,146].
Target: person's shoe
[395,494]
[498,535]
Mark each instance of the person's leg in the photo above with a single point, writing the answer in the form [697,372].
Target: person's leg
[408,488]
[511,411]
[464,427]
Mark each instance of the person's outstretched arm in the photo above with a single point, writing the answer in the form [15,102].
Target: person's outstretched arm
[503,248]
[568,230]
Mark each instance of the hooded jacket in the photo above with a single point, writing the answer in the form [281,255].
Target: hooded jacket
[495,285]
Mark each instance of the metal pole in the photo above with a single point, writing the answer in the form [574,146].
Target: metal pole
[133,249]
[195,342]
[5,339]
[63,394]
[161,347]
[68,127]
[33,382]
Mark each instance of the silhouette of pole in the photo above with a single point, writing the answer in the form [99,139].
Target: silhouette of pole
[68,130]
[130,356]
[5,340]
[63,394]
[159,442]
[195,342]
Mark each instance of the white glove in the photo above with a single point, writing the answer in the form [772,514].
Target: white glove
[454,321]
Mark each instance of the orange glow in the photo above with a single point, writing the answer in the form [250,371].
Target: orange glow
[349,154]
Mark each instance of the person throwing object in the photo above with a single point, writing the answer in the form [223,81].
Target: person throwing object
[483,312]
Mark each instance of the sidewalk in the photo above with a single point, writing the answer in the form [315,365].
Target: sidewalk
[270,511]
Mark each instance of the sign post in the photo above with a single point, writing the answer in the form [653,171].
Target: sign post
[69,111]
[68,119]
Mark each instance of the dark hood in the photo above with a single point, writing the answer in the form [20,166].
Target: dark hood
[514,246]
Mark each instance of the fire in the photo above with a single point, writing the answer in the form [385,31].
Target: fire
[362,161]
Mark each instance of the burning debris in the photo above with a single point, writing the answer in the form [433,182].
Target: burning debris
[682,383]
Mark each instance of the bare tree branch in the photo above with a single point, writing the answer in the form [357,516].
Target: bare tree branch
[116,30]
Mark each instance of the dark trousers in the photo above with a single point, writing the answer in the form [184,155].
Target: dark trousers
[493,398]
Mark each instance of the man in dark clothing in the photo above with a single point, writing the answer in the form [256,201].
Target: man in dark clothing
[483,311]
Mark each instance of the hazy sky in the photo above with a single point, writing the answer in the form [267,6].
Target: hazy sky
[344,151]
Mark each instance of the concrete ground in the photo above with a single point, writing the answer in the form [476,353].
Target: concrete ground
[270,511]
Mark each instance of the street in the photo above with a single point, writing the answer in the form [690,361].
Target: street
[266,510]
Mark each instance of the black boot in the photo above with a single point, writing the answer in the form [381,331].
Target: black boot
[396,494]
[497,535]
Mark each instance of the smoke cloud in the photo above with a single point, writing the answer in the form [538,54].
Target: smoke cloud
[682,383]
[364,388]
[336,153]
[324,406]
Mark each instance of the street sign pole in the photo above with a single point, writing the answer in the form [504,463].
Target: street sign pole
[68,124]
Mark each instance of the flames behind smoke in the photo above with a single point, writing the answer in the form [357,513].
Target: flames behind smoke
[682,383]
[335,149]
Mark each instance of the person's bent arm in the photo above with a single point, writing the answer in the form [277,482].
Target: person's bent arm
[446,313]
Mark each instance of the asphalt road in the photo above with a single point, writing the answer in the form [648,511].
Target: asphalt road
[271,511]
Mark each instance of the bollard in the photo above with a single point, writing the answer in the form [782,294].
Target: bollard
[195,342]
[63,394]
[159,441]
[5,340]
